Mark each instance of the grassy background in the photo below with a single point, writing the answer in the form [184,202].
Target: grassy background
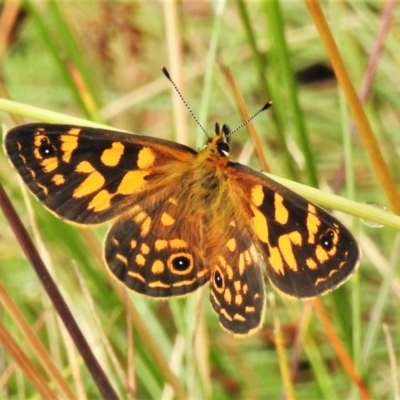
[101,62]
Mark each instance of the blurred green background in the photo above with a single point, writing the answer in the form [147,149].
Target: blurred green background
[101,61]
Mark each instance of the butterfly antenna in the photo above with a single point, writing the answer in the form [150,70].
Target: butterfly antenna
[168,76]
[263,108]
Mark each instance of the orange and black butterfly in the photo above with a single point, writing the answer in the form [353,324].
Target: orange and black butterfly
[185,218]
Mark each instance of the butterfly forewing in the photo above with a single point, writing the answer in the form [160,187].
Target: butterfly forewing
[88,175]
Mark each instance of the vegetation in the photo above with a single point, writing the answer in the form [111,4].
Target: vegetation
[96,62]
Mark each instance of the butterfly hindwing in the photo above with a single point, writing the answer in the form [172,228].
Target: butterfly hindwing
[307,251]
[156,251]
[88,175]
[237,287]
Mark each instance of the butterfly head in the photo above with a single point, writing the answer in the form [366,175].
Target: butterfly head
[221,140]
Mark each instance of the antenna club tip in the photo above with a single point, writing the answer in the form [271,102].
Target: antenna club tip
[166,73]
[267,105]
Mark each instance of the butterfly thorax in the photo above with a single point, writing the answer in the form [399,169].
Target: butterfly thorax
[209,172]
[207,181]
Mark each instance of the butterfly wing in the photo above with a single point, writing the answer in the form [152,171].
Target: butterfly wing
[88,175]
[237,287]
[306,250]
[156,249]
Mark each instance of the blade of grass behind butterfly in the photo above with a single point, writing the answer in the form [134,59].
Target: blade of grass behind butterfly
[41,114]
[153,335]
[281,72]
[58,301]
[347,307]
[393,362]
[340,300]
[350,329]
[315,350]
[63,53]
[188,315]
[342,355]
[245,116]
[377,315]
[381,37]
[174,41]
[80,67]
[307,343]
[34,343]
[219,7]
[20,358]
[139,367]
[289,168]
[379,164]
[99,337]
[50,232]
[197,338]
[288,387]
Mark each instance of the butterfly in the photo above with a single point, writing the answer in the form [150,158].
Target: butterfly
[184,218]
